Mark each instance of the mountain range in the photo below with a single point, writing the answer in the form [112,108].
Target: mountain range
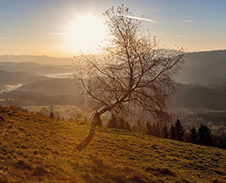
[35,59]
[203,81]
[204,68]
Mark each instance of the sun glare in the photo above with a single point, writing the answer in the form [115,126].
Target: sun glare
[86,34]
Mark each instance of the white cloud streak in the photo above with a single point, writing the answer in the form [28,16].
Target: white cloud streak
[140,18]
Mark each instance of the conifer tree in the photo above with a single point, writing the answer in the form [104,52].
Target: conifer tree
[165,132]
[179,131]
[204,136]
[224,142]
[193,135]
[173,132]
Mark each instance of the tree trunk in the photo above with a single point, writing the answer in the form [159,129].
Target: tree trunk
[87,140]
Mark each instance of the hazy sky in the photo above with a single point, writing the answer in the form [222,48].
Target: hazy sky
[57,27]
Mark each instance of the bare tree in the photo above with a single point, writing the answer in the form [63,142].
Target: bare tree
[135,74]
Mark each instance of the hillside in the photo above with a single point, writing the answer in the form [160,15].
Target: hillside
[34,148]
[204,68]
[12,80]
[203,82]
[50,91]
[35,59]
[35,68]
[53,86]
[191,98]
[188,98]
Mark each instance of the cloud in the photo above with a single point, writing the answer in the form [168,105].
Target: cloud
[140,18]
[187,21]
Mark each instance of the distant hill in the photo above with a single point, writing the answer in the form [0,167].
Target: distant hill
[49,91]
[204,68]
[35,148]
[11,80]
[203,81]
[35,59]
[197,98]
[35,68]
[52,86]
[188,98]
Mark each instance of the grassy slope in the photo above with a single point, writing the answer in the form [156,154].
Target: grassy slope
[37,149]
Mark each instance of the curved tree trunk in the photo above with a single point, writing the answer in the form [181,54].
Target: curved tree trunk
[87,140]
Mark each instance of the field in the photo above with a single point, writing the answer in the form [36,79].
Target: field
[64,111]
[35,148]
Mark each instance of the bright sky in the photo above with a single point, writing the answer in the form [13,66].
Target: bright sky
[61,28]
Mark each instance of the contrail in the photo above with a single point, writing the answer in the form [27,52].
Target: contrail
[140,18]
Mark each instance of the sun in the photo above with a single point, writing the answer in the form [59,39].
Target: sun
[86,34]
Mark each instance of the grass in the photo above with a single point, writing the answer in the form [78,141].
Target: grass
[34,148]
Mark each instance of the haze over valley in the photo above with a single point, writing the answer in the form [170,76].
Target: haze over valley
[202,83]
[202,77]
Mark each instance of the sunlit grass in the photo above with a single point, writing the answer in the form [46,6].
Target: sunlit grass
[34,148]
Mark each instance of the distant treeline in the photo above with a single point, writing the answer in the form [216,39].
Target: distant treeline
[176,131]
[201,136]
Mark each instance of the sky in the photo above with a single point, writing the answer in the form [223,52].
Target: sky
[62,28]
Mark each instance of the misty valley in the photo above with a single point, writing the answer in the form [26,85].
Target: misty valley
[36,86]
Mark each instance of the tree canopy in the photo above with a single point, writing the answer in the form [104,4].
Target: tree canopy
[135,74]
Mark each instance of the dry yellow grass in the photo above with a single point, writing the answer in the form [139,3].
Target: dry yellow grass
[34,148]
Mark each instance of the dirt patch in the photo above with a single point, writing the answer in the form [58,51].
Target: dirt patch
[160,171]
[21,164]
[137,178]
[40,171]
[166,171]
